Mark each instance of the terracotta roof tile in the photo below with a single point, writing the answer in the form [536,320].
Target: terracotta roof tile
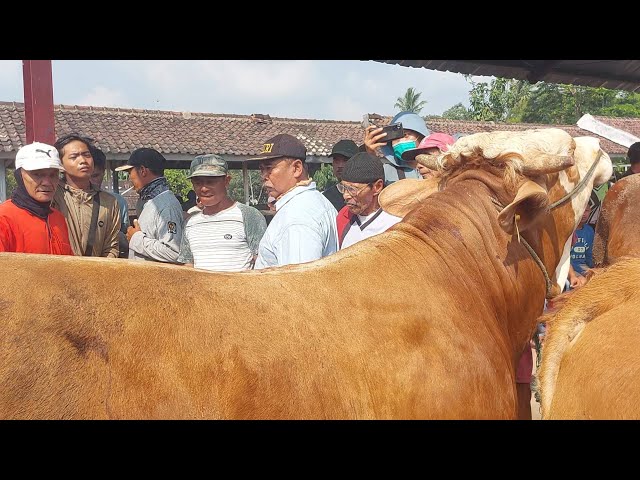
[120,130]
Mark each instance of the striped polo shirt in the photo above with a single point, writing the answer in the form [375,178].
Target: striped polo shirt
[217,242]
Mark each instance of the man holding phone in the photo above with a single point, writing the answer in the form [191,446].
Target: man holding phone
[382,143]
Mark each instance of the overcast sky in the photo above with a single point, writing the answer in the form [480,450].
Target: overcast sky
[314,89]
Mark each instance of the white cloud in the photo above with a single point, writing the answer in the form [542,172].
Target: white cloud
[314,89]
[345,108]
[11,80]
[262,78]
[104,97]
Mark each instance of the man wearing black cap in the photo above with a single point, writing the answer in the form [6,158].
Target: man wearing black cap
[633,155]
[304,225]
[157,233]
[341,152]
[362,217]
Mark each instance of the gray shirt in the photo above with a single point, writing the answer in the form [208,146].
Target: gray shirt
[161,222]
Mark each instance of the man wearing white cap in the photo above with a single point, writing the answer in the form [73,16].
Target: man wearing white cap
[28,224]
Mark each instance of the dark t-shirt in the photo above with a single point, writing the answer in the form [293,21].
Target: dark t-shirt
[625,174]
[335,197]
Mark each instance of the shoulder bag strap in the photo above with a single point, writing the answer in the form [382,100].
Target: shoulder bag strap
[94,225]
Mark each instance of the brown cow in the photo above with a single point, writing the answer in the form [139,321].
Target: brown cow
[93,338]
[618,227]
[590,365]
[591,343]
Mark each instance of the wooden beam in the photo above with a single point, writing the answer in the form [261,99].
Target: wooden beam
[38,101]
[3,181]
[245,181]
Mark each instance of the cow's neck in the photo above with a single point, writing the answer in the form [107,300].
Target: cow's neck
[462,222]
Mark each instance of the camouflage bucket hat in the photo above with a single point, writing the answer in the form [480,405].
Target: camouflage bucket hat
[208,166]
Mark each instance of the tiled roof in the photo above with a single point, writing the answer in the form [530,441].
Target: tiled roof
[120,131]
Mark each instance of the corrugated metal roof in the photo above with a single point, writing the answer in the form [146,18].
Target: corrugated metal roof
[613,74]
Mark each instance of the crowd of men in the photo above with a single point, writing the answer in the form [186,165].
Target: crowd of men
[212,231]
[59,206]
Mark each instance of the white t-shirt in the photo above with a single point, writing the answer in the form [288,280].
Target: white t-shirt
[368,226]
[218,242]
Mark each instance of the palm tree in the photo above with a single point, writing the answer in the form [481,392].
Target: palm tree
[410,102]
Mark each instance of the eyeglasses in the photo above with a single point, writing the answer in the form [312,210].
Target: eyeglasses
[352,191]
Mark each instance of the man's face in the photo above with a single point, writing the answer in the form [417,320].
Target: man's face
[41,184]
[409,135]
[585,217]
[136,178]
[280,175]
[77,160]
[358,197]
[140,177]
[424,171]
[97,176]
[211,190]
[339,161]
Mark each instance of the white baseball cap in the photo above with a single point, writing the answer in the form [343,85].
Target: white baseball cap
[36,156]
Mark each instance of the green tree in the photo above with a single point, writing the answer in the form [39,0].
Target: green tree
[504,100]
[324,177]
[257,194]
[178,181]
[11,181]
[410,102]
[501,100]
[457,112]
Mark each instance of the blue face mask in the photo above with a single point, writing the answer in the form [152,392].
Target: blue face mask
[400,148]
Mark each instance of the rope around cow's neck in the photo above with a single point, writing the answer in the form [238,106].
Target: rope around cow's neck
[581,184]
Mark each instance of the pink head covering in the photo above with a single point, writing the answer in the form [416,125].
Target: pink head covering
[439,140]
[442,141]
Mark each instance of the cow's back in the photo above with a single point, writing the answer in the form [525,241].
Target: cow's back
[618,228]
[590,367]
[98,338]
[598,376]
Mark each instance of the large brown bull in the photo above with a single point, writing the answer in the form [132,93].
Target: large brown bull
[618,227]
[426,320]
[590,364]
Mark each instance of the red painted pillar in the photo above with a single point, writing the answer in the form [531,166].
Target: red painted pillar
[38,101]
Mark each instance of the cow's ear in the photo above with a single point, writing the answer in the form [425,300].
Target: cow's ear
[402,196]
[529,202]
